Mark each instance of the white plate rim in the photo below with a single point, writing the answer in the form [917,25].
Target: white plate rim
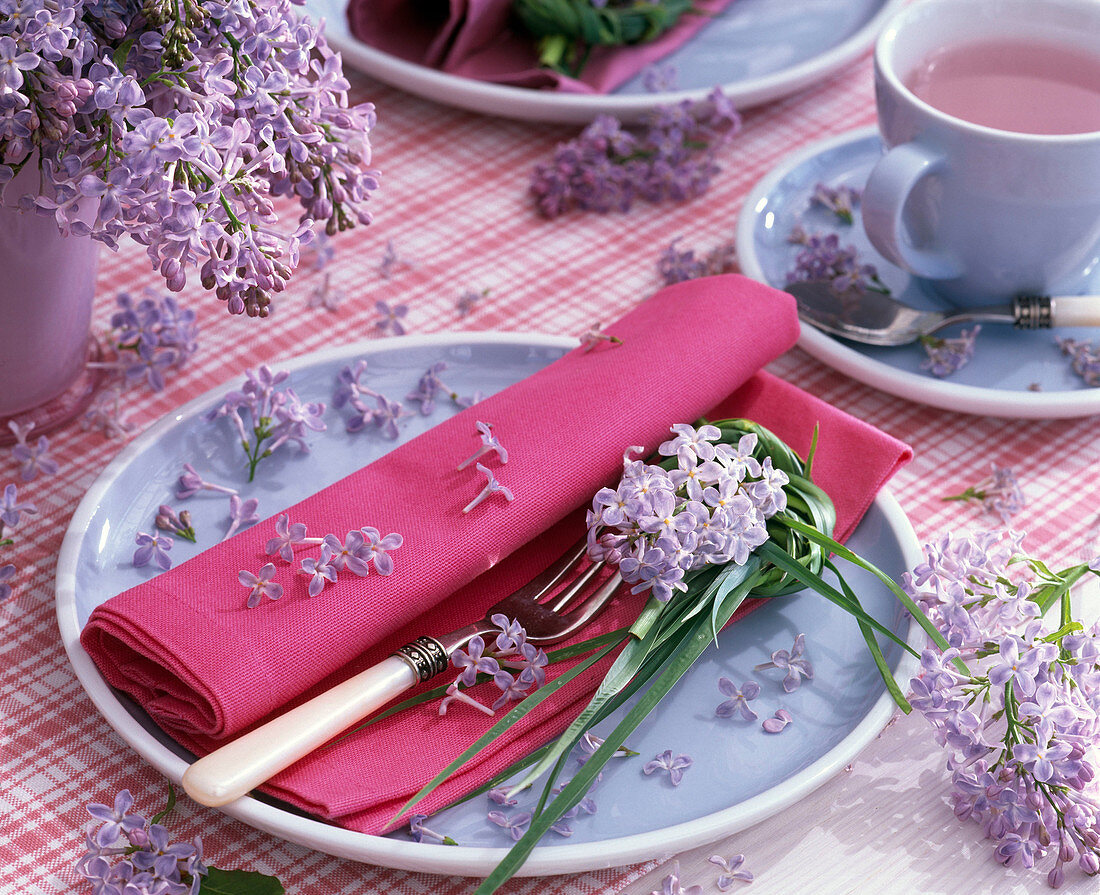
[928,390]
[427,857]
[526,104]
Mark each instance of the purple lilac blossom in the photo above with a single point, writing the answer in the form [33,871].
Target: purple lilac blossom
[320,570]
[823,259]
[511,650]
[467,301]
[191,483]
[660,77]
[999,493]
[128,854]
[515,823]
[391,262]
[675,266]
[148,338]
[947,356]
[32,458]
[107,414]
[325,295]
[608,167]
[660,525]
[840,200]
[1084,358]
[1020,723]
[392,317]
[731,871]
[241,512]
[492,486]
[275,416]
[167,519]
[419,832]
[184,125]
[12,509]
[489,444]
[152,548]
[377,549]
[778,722]
[738,702]
[7,573]
[793,663]
[666,761]
[595,336]
[260,584]
[670,885]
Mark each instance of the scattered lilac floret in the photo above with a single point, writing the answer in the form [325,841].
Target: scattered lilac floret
[731,871]
[499,795]
[107,414]
[840,200]
[260,584]
[12,509]
[467,301]
[32,458]
[287,536]
[418,831]
[152,548]
[472,661]
[823,258]
[595,336]
[676,266]
[391,318]
[351,553]
[670,885]
[777,722]
[377,548]
[999,493]
[492,486]
[793,662]
[589,743]
[391,262]
[320,570]
[666,761]
[241,512]
[489,444]
[7,573]
[1084,358]
[660,77]
[738,702]
[515,823]
[178,524]
[191,483]
[947,356]
[325,295]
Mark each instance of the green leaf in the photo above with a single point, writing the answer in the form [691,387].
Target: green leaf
[240,882]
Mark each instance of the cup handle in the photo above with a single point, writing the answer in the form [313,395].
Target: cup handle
[889,186]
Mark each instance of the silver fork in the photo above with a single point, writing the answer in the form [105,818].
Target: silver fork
[243,764]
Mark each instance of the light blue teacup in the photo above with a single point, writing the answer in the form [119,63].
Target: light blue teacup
[981,213]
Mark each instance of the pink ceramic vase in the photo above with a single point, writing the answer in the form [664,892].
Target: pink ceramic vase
[47,282]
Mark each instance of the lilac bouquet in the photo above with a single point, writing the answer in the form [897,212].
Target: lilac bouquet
[180,124]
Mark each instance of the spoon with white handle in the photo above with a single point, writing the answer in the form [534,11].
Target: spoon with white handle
[879,319]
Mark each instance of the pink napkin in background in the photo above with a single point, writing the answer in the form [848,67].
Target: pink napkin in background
[205,667]
[473,39]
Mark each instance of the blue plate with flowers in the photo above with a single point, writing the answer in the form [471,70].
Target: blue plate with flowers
[755,50]
[739,773]
[1014,374]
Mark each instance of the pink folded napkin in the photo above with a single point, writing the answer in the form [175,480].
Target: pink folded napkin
[477,39]
[206,667]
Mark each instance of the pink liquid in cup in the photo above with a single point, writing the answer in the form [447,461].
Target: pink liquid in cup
[1025,87]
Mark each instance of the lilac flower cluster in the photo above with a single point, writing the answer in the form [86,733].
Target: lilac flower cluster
[276,416]
[822,258]
[1084,358]
[510,650]
[12,511]
[607,167]
[660,524]
[128,853]
[840,200]
[356,552]
[999,493]
[148,338]
[179,124]
[1020,725]
[33,458]
[947,356]
[675,266]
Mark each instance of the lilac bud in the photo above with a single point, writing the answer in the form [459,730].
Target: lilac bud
[1066,851]
[1056,877]
[1089,862]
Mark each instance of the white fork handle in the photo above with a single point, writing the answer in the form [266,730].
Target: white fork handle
[243,764]
[1075,310]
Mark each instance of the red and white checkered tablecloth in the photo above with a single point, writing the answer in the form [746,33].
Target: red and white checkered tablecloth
[454,203]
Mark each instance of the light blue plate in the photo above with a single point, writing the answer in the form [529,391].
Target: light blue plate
[740,774]
[1007,363]
[756,50]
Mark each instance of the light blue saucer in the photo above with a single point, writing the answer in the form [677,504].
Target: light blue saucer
[1017,374]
